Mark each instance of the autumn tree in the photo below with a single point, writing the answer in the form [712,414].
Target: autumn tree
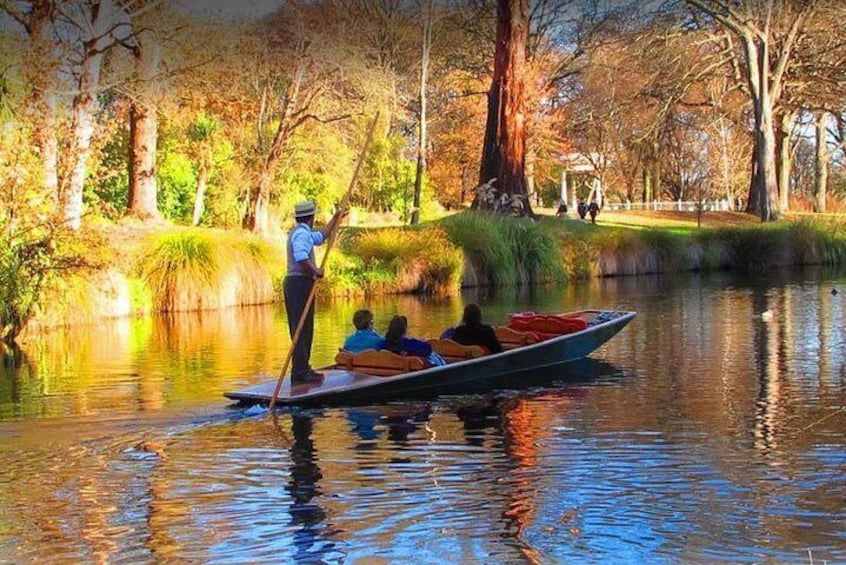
[427,18]
[41,64]
[86,31]
[504,148]
[767,32]
[818,87]
[460,81]
[146,48]
[301,70]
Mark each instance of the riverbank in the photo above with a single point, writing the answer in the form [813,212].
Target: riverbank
[150,268]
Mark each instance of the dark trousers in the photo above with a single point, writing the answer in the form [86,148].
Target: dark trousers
[296,291]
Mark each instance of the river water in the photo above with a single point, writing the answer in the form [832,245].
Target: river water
[702,433]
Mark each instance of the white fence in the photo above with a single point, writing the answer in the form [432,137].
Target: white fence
[677,206]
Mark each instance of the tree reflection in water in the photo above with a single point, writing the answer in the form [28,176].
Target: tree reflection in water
[523,424]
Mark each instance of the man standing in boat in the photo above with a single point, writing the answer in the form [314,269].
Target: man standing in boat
[299,281]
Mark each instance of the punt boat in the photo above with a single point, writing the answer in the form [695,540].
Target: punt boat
[370,375]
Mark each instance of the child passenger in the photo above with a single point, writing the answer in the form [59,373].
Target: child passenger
[365,337]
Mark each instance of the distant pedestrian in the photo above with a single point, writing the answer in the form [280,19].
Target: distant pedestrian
[582,209]
[593,209]
[562,209]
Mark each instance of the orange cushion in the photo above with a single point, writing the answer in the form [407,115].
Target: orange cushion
[554,325]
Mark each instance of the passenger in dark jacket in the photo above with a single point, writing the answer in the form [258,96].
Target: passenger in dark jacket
[473,332]
[396,341]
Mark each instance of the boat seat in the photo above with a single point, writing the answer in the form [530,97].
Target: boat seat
[511,338]
[381,363]
[453,351]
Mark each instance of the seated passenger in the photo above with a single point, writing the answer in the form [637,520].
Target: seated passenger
[472,331]
[365,337]
[396,341]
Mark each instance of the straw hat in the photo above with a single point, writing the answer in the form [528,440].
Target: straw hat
[304,209]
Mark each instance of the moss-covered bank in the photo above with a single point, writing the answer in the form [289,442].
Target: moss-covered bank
[179,269]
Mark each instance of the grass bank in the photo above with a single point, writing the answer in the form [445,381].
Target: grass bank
[617,246]
[146,269]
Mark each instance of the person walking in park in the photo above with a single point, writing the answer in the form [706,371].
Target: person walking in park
[300,278]
[593,210]
[582,209]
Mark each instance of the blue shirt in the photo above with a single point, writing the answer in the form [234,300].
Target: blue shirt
[301,242]
[363,339]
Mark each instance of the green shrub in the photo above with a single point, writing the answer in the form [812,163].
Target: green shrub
[506,250]
[481,237]
[30,261]
[538,254]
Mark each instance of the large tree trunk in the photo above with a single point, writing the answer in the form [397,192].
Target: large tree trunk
[821,166]
[504,149]
[143,130]
[143,137]
[84,110]
[99,20]
[763,190]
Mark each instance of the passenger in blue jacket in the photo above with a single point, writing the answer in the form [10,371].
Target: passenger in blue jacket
[396,341]
[365,337]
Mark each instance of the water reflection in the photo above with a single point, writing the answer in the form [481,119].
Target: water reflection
[307,516]
[700,433]
[519,441]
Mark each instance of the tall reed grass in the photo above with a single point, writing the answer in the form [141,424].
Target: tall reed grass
[196,269]
[396,260]
[821,242]
[506,251]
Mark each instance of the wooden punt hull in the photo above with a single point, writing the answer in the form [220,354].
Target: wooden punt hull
[341,386]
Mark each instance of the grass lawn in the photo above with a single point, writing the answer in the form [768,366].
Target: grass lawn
[682,222]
